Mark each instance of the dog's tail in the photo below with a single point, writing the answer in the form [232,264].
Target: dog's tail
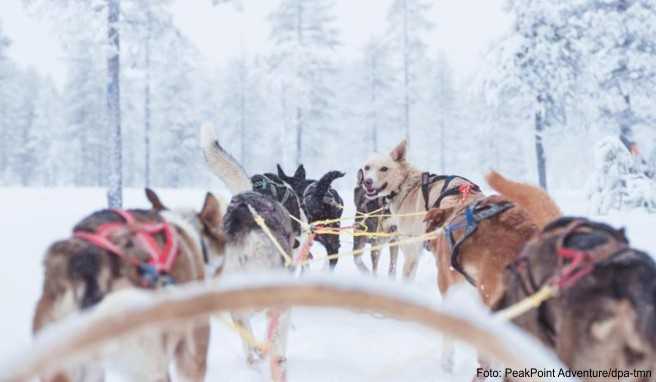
[221,163]
[537,203]
[323,184]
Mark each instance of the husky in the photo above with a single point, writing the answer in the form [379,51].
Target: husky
[113,250]
[477,241]
[378,224]
[250,249]
[604,316]
[320,202]
[236,179]
[409,192]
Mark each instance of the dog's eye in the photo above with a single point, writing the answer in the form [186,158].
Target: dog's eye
[384,169]
[366,168]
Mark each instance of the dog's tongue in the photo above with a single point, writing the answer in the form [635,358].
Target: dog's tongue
[370,190]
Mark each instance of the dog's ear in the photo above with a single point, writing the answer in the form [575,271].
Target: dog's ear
[154,200]
[210,215]
[398,154]
[281,172]
[436,217]
[360,178]
[300,172]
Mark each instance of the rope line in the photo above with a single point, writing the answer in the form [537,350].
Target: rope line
[260,222]
[531,302]
[247,336]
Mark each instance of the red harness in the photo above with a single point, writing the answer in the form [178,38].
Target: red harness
[581,263]
[465,190]
[161,258]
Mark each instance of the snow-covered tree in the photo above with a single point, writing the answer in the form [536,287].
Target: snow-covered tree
[542,63]
[176,113]
[443,100]
[408,23]
[115,192]
[44,136]
[305,38]
[378,81]
[242,107]
[85,131]
[619,44]
[7,84]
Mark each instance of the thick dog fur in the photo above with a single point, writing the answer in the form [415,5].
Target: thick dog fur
[383,224]
[230,171]
[394,177]
[78,275]
[486,253]
[320,202]
[607,320]
[249,249]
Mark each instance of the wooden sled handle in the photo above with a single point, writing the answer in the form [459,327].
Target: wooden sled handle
[73,340]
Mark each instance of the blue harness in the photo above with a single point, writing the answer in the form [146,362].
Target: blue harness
[474,214]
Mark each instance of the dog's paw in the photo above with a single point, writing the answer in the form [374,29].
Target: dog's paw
[279,369]
[255,356]
[447,363]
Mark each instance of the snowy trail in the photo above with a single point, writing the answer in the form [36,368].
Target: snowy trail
[324,344]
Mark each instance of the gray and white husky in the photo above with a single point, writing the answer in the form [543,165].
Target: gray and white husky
[249,249]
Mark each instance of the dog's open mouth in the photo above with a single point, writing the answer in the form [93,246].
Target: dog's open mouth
[372,191]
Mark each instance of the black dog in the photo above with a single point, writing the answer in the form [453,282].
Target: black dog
[279,190]
[319,202]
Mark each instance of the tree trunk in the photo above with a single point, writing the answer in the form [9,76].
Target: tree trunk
[242,111]
[114,195]
[299,75]
[299,136]
[442,144]
[406,73]
[374,107]
[539,146]
[147,131]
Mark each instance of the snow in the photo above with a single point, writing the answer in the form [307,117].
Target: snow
[324,344]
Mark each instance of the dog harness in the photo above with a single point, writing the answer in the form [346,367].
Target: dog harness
[427,180]
[573,263]
[161,257]
[473,215]
[262,183]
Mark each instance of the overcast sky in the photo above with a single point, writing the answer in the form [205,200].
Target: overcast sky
[463,29]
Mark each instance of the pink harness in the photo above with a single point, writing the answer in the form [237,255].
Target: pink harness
[161,258]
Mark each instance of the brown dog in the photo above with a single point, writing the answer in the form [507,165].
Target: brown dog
[478,241]
[82,270]
[484,236]
[604,316]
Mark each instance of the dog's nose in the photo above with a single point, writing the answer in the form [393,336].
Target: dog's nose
[368,182]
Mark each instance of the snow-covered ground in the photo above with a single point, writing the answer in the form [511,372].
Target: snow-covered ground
[324,345]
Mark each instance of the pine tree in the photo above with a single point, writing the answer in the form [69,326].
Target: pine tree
[304,35]
[378,82]
[544,63]
[45,136]
[7,72]
[619,43]
[407,25]
[443,97]
[175,109]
